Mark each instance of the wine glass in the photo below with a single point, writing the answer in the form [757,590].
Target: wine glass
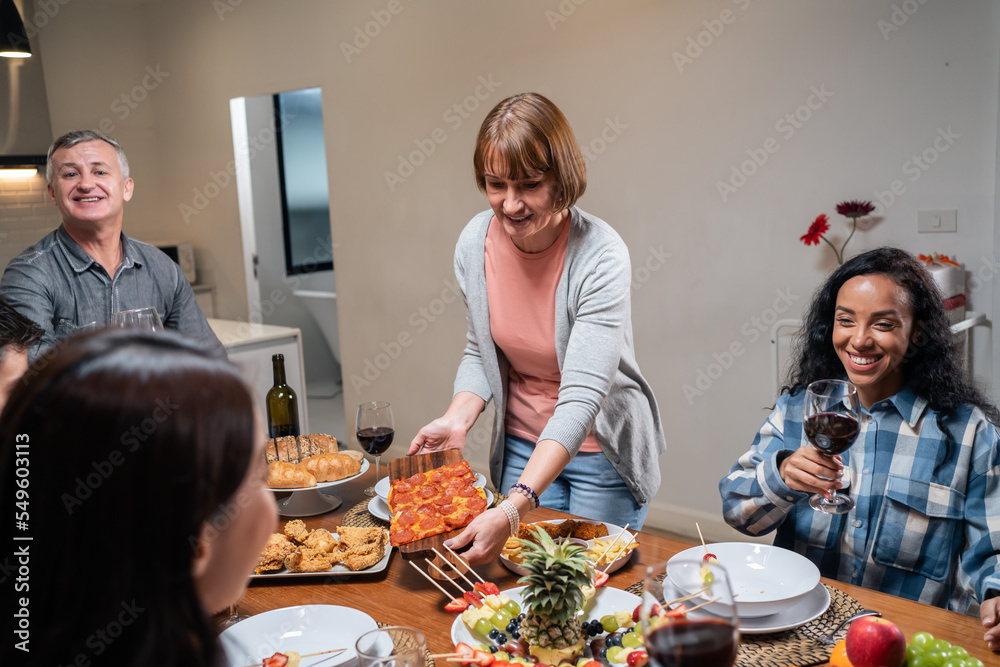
[831,420]
[394,646]
[689,618]
[375,431]
[232,618]
[139,318]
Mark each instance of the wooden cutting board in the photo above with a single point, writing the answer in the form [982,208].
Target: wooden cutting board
[410,465]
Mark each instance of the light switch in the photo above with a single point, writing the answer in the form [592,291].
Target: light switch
[937,221]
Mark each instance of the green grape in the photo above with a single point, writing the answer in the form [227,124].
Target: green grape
[959,651]
[912,651]
[935,658]
[976,662]
[941,645]
[613,653]
[918,660]
[513,608]
[609,623]
[483,627]
[631,640]
[954,661]
[500,619]
[921,639]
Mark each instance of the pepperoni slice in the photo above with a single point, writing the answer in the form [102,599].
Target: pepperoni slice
[444,499]
[460,520]
[476,504]
[431,523]
[427,510]
[402,537]
[438,476]
[402,499]
[402,486]
[407,519]
[426,492]
[467,492]
[454,483]
[448,510]
[416,480]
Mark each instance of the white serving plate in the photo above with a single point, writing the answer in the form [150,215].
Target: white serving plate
[337,569]
[305,629]
[766,579]
[325,485]
[606,601]
[613,532]
[809,608]
[383,485]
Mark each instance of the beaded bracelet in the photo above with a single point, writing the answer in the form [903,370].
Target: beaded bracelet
[513,516]
[527,492]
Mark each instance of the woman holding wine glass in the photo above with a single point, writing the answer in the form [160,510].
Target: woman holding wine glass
[923,470]
[148,503]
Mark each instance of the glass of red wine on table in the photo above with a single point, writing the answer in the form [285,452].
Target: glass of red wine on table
[689,619]
[831,420]
[375,431]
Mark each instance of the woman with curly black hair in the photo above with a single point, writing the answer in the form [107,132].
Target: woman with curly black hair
[923,471]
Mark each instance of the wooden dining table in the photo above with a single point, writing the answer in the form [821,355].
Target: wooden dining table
[399,595]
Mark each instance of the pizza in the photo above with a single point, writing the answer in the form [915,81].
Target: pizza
[434,502]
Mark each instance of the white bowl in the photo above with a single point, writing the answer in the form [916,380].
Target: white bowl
[765,579]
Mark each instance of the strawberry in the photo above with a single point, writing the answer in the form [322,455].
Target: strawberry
[600,578]
[653,611]
[276,660]
[474,598]
[465,653]
[486,588]
[679,612]
[636,658]
[457,606]
[482,658]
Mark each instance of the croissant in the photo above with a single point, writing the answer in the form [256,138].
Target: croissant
[331,467]
[283,475]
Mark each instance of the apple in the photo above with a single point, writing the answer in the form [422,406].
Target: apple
[873,641]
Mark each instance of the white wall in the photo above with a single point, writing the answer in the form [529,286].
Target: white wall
[662,137]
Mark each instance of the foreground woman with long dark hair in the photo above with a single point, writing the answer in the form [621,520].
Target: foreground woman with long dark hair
[136,463]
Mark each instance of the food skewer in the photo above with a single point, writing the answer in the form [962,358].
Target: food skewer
[428,577]
[703,545]
[307,655]
[461,591]
[463,560]
[608,565]
[699,606]
[454,567]
[613,543]
[686,597]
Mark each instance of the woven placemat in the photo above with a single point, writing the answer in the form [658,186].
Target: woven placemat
[428,660]
[797,646]
[359,516]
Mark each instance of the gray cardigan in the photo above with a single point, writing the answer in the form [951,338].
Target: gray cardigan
[601,386]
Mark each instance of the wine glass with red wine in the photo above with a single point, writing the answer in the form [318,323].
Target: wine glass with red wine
[831,420]
[375,431]
[689,619]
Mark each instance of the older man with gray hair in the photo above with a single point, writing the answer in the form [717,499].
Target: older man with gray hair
[87,269]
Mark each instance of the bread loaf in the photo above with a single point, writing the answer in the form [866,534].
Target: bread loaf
[294,449]
[284,475]
[331,467]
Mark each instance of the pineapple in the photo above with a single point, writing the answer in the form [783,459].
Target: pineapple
[552,597]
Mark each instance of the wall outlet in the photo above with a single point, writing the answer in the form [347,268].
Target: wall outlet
[937,221]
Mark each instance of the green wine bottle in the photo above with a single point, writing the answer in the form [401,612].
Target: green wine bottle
[282,406]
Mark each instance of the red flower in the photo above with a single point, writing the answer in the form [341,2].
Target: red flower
[855,208]
[820,226]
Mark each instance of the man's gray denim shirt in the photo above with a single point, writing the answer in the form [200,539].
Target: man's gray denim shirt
[62,288]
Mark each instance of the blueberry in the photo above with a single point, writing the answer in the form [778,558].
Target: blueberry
[603,655]
[493,649]
[501,638]
[516,634]
[520,617]
[493,634]
[511,627]
[632,629]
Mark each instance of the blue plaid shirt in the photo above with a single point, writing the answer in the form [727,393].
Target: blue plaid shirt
[921,528]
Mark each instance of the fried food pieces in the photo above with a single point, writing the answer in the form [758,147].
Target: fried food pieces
[581,530]
[300,550]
